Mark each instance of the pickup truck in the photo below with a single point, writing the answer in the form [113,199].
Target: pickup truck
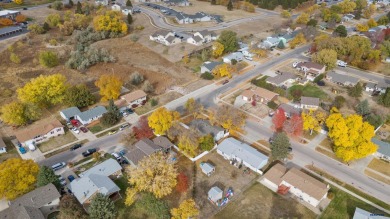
[89,152]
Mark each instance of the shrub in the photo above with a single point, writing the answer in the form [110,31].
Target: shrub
[134,38]
[53,42]
[36,28]
[153,102]
[109,119]
[318,78]
[272,105]
[48,59]
[82,60]
[139,27]
[14,58]
[330,195]
[206,143]
[147,87]
[234,61]
[338,102]
[182,182]
[136,78]
[57,5]
[207,76]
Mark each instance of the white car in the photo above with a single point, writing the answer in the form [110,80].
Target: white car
[341,63]
[76,130]
[295,64]
[248,58]
[116,155]
[3,150]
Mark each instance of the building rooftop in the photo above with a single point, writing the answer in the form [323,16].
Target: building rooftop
[275,173]
[279,79]
[362,214]
[312,101]
[8,29]
[162,142]
[92,113]
[207,167]
[211,65]
[36,129]
[160,33]
[336,77]
[383,147]
[135,95]
[261,92]
[70,112]
[289,109]
[7,12]
[105,168]
[205,127]
[215,194]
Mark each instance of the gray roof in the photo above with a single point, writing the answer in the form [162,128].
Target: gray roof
[2,143]
[197,38]
[198,15]
[83,188]
[27,206]
[206,167]
[9,29]
[281,78]
[336,77]
[175,1]
[91,113]
[215,194]
[70,112]
[234,55]
[273,40]
[312,101]
[147,146]
[211,65]
[205,127]
[163,142]
[181,16]
[170,39]
[383,147]
[289,109]
[362,214]
[206,32]
[161,33]
[290,36]
[370,85]
[105,168]
[250,155]
[135,155]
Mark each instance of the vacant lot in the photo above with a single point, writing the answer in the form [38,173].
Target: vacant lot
[260,202]
[57,142]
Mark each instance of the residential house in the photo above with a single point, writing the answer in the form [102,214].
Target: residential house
[116,7]
[215,194]
[376,87]
[201,37]
[362,214]
[209,66]
[311,69]
[310,103]
[91,115]
[269,42]
[340,79]
[121,104]
[207,168]
[289,110]
[39,132]
[195,40]
[285,79]
[295,182]
[135,98]
[123,8]
[70,113]
[323,25]
[259,94]
[348,17]
[96,180]
[240,153]
[101,2]
[165,37]
[377,29]
[286,38]
[148,0]
[181,3]
[9,14]
[7,31]
[383,151]
[200,17]
[145,147]
[238,56]
[370,87]
[183,18]
[205,128]
[37,204]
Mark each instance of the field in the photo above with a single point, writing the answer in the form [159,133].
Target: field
[260,202]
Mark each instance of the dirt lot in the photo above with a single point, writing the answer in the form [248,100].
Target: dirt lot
[223,177]
[260,202]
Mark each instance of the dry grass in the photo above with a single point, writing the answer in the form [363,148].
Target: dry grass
[162,99]
[383,68]
[306,134]
[326,144]
[265,143]
[376,176]
[328,153]
[380,166]
[57,142]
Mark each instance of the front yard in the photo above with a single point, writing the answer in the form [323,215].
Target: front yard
[11,151]
[380,166]
[58,141]
[260,202]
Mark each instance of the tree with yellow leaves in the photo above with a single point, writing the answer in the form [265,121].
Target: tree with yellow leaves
[228,117]
[17,177]
[187,209]
[303,18]
[44,90]
[371,23]
[18,2]
[218,49]
[162,119]
[17,113]
[369,11]
[188,141]
[285,14]
[193,107]
[20,18]
[110,87]
[131,194]
[313,120]
[298,40]
[223,70]
[259,52]
[110,21]
[153,174]
[362,27]
[347,6]
[351,136]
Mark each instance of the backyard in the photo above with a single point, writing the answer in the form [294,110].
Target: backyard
[307,91]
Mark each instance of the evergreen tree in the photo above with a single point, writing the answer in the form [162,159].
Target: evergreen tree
[46,176]
[71,3]
[112,108]
[46,27]
[281,45]
[129,18]
[102,207]
[363,108]
[230,6]
[280,146]
[79,10]
[128,3]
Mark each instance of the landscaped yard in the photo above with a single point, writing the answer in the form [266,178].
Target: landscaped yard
[96,128]
[380,166]
[58,141]
[260,202]
[308,91]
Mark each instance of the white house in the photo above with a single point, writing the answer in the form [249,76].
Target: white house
[183,18]
[181,3]
[269,42]
[238,56]
[209,66]
[238,152]
[116,7]
[205,128]
[376,87]
[259,95]
[9,14]
[311,69]
[362,214]
[285,79]
[310,103]
[39,132]
[195,40]
[295,182]
[91,115]
[137,97]
[37,204]
[201,37]
[165,37]
[200,17]
[383,151]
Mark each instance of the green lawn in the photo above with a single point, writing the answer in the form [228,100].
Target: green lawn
[96,128]
[308,91]
[343,206]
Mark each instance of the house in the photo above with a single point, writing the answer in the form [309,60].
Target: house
[101,2]
[116,7]
[239,153]
[311,69]
[376,87]
[209,66]
[206,128]
[295,182]
[37,204]
[135,98]
[343,80]
[69,113]
[348,17]
[121,104]
[165,37]
[310,103]
[215,194]
[200,17]
[286,38]
[207,168]
[91,115]
[39,132]
[201,37]
[383,151]
[370,87]
[183,18]
[9,14]
[96,180]
[127,10]
[289,110]
[7,31]
[377,29]
[362,214]
[259,94]
[181,3]
[195,40]
[285,79]
[145,147]
[269,42]
[238,56]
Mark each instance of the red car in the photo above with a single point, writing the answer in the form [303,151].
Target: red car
[83,129]
[75,122]
[225,82]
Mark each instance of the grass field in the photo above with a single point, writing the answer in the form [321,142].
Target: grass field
[260,202]
[26,3]
[58,141]
[308,91]
[380,166]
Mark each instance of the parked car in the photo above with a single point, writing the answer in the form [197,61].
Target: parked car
[290,149]
[74,147]
[129,111]
[83,129]
[69,125]
[116,155]
[248,58]
[295,64]
[75,122]
[22,150]
[89,152]
[112,132]
[321,83]
[3,150]
[58,166]
[341,63]
[71,178]
[126,125]
[75,130]
[225,82]
[62,181]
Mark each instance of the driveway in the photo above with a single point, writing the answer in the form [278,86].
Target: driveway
[33,155]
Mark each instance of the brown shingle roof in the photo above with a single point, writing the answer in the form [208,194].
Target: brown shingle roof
[261,92]
[136,155]
[39,128]
[163,142]
[275,173]
[306,183]
[281,78]
[135,95]
[312,101]
[312,65]
[247,93]
[120,103]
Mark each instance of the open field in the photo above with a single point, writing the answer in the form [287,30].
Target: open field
[380,166]
[260,202]
[58,141]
